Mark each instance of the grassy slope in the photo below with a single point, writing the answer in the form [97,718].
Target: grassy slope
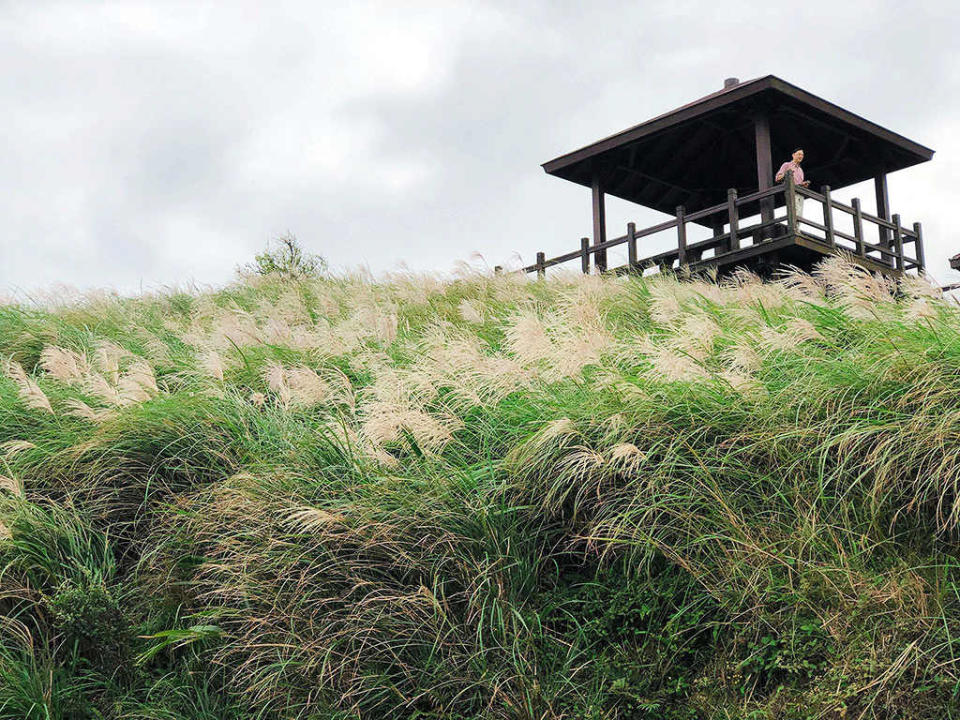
[488,498]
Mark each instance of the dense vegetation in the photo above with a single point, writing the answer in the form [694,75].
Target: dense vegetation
[334,497]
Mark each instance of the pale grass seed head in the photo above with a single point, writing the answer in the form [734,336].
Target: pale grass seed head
[312,519]
[527,339]
[581,462]
[107,358]
[212,364]
[306,387]
[626,457]
[78,408]
[30,393]
[671,366]
[65,365]
[471,312]
[11,485]
[744,357]
[14,447]
[696,336]
[797,331]
[745,385]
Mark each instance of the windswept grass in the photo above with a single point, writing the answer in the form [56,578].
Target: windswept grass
[483,498]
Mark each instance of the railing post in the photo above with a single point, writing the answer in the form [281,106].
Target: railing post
[858,227]
[631,247]
[541,270]
[897,242]
[733,219]
[790,195]
[585,255]
[828,216]
[681,235]
[918,244]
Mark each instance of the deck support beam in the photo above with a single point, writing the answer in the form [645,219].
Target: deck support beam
[599,223]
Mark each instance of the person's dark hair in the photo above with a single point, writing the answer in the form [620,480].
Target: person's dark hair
[796,151]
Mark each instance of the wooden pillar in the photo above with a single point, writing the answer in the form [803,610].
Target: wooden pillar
[681,236]
[918,252]
[828,216]
[761,127]
[789,196]
[883,212]
[898,243]
[599,224]
[858,227]
[734,219]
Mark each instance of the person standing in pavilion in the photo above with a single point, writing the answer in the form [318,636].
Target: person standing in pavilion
[793,166]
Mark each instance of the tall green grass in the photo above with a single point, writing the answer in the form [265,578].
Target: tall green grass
[483,497]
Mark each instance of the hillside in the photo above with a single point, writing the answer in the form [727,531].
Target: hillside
[487,497]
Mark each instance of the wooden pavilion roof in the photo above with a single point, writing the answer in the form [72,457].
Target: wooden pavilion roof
[691,156]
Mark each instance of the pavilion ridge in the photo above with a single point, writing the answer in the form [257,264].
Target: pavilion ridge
[710,165]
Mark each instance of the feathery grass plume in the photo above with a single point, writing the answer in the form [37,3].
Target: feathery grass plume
[11,485]
[626,458]
[107,358]
[78,408]
[297,386]
[470,312]
[797,330]
[747,386]
[671,366]
[665,306]
[312,519]
[5,533]
[527,339]
[137,384]
[213,365]
[12,447]
[65,365]
[861,293]
[743,356]
[30,393]
[696,336]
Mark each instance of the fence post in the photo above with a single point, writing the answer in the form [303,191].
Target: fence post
[541,270]
[790,200]
[918,244]
[828,216]
[631,247]
[681,236]
[733,219]
[585,255]
[897,242]
[858,227]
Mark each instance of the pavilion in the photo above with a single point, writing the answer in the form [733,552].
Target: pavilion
[712,163]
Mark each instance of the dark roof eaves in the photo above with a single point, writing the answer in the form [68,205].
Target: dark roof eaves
[680,114]
[729,95]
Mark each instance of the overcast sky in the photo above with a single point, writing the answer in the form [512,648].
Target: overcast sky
[151,143]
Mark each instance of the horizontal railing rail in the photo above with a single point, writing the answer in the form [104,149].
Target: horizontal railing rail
[726,243]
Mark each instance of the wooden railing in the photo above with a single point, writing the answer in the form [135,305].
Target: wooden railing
[729,232]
